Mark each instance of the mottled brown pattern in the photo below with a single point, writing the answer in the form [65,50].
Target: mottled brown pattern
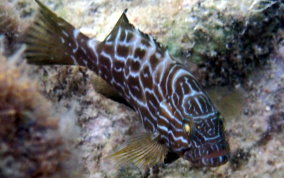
[147,81]
[135,88]
[166,81]
[139,53]
[130,37]
[152,102]
[104,67]
[122,36]
[146,114]
[145,42]
[109,49]
[135,66]
[122,51]
[154,61]
[163,92]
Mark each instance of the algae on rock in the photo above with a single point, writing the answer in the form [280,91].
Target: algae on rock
[226,39]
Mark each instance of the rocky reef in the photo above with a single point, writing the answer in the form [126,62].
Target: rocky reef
[30,143]
[62,120]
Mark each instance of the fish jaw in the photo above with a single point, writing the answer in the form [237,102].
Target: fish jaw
[209,154]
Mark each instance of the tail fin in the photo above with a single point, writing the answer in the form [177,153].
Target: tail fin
[52,40]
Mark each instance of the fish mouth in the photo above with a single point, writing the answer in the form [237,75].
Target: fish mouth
[216,159]
[209,155]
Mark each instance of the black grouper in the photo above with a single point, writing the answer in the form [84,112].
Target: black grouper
[180,118]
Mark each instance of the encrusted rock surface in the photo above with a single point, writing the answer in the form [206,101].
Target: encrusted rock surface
[30,141]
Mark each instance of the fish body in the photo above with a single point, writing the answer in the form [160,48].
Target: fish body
[172,105]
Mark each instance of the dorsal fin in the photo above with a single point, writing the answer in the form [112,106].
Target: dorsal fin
[123,24]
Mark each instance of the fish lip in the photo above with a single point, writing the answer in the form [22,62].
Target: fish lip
[217,160]
[209,154]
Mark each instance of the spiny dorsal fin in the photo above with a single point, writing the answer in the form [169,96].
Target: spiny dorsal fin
[124,25]
[52,40]
[142,151]
[123,22]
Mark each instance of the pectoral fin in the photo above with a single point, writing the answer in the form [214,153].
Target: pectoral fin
[142,150]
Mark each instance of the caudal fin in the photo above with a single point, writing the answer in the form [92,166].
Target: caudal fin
[52,40]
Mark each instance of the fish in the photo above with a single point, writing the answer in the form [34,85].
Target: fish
[180,119]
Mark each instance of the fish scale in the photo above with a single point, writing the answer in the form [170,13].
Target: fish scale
[172,105]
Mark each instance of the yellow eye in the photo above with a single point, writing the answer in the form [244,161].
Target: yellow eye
[186,128]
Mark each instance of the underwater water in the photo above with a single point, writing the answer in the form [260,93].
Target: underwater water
[229,101]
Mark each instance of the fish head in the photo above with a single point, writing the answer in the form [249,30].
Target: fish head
[207,144]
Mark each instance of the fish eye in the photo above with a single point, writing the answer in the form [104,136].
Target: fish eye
[186,128]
